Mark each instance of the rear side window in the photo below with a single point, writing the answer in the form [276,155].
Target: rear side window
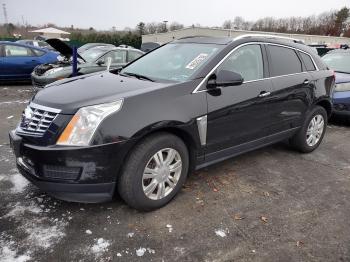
[14,50]
[307,62]
[284,61]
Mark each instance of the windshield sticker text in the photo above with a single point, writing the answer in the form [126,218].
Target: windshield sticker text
[195,62]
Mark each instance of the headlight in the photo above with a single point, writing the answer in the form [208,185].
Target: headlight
[85,122]
[53,70]
[342,87]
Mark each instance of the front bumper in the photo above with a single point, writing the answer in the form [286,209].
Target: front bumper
[77,174]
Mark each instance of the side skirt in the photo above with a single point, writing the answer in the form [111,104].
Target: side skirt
[224,154]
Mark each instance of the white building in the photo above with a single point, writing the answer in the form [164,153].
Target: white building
[201,31]
[51,32]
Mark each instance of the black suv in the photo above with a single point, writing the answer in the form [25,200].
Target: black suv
[188,104]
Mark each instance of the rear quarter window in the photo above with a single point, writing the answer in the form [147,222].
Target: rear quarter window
[309,65]
[38,52]
[283,61]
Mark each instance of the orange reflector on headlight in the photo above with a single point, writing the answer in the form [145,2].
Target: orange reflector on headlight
[68,130]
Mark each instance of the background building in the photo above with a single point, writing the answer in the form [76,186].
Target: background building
[51,32]
[216,32]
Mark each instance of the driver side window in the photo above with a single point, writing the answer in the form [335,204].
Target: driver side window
[247,61]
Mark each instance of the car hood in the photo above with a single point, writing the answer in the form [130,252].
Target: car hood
[342,77]
[71,94]
[62,48]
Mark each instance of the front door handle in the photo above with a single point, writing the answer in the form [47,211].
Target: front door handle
[264,94]
[306,82]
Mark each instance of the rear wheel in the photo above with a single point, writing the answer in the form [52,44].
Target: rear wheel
[154,172]
[310,136]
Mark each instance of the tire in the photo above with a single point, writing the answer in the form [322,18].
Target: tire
[134,183]
[300,140]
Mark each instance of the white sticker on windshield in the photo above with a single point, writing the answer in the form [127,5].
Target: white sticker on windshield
[195,62]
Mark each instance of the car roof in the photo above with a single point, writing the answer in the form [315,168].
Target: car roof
[294,43]
[205,40]
[109,48]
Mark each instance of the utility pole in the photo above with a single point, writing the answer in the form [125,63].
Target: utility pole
[165,30]
[5,13]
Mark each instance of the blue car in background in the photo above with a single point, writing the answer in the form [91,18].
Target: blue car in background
[17,61]
[339,61]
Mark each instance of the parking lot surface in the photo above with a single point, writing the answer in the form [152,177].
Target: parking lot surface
[273,204]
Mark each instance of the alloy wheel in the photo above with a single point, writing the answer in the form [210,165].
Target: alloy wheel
[162,173]
[315,130]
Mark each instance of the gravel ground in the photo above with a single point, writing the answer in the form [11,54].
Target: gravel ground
[273,204]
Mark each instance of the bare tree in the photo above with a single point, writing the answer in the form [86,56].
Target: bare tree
[175,26]
[151,28]
[227,24]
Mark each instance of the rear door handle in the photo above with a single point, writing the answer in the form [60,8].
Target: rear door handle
[264,94]
[306,82]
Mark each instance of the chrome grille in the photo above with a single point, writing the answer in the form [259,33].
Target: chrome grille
[36,119]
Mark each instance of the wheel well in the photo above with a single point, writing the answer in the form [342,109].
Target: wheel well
[326,105]
[185,137]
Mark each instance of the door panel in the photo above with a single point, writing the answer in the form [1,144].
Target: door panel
[238,115]
[290,100]
[18,62]
[292,88]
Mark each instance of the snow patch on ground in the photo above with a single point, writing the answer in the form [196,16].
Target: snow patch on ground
[19,183]
[9,254]
[40,231]
[43,235]
[100,247]
[19,209]
[170,228]
[141,251]
[221,232]
[14,102]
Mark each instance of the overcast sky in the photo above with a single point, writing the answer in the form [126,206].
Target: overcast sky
[103,14]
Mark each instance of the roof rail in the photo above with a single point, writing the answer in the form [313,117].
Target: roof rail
[294,40]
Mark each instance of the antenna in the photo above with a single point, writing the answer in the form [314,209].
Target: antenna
[5,13]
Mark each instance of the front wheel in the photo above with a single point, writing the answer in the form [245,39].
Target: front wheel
[310,136]
[154,172]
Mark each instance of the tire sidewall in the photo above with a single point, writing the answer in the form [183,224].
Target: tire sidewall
[151,149]
[315,111]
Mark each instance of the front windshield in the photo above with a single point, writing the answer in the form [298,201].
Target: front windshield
[173,62]
[92,54]
[338,61]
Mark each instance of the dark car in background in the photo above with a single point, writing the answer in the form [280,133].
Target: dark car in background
[89,61]
[149,46]
[17,60]
[339,61]
[321,49]
[189,104]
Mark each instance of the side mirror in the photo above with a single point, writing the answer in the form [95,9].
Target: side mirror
[100,62]
[225,78]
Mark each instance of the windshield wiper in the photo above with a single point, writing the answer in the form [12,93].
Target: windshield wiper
[344,72]
[138,76]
